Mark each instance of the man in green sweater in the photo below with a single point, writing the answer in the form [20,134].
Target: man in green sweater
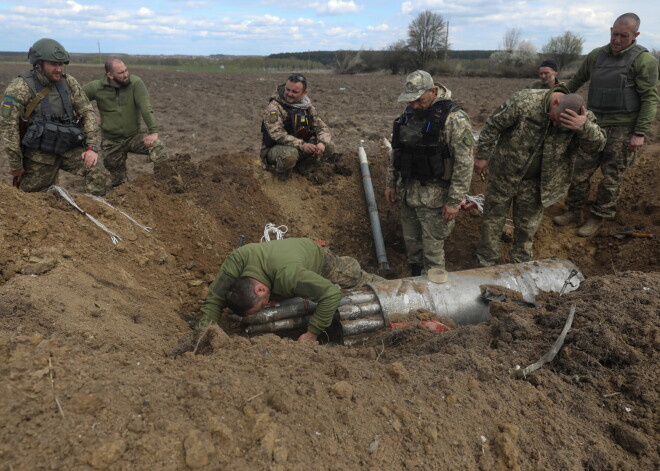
[625,109]
[283,269]
[121,100]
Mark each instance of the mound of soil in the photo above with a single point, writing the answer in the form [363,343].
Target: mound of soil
[99,368]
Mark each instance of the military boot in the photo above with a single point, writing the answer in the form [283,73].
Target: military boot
[591,226]
[570,216]
[415,269]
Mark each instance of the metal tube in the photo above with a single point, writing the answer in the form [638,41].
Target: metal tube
[294,307]
[460,297]
[373,209]
[284,324]
[356,311]
[362,326]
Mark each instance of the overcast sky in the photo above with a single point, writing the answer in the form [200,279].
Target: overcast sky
[202,27]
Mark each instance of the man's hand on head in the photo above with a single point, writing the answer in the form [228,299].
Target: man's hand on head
[569,119]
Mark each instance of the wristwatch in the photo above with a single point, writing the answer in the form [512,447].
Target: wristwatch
[93,148]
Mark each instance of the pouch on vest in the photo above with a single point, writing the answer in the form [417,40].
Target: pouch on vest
[52,137]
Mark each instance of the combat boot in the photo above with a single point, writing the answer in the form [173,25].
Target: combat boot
[570,216]
[591,226]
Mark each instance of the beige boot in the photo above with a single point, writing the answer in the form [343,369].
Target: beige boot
[568,217]
[591,226]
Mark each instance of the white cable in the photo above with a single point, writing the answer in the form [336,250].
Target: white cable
[114,237]
[277,230]
[101,200]
[477,199]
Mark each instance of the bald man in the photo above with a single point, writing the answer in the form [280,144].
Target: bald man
[625,109]
[122,100]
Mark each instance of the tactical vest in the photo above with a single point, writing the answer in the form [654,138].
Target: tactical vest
[52,128]
[610,91]
[298,123]
[419,154]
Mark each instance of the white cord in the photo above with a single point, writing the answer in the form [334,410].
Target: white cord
[114,237]
[477,199]
[101,200]
[277,230]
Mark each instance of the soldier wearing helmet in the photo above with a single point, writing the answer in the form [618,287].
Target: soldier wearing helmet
[47,124]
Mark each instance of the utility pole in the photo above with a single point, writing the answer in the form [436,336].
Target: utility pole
[447,42]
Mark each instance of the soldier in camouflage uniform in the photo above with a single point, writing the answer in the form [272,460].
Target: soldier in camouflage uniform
[283,269]
[529,145]
[121,100]
[548,71]
[293,134]
[431,168]
[61,133]
[625,109]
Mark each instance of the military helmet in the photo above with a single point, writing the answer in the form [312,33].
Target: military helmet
[47,49]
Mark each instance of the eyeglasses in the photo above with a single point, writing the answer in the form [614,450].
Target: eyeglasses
[298,78]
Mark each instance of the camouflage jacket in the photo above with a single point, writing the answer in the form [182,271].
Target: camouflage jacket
[458,136]
[19,95]
[275,117]
[289,267]
[521,142]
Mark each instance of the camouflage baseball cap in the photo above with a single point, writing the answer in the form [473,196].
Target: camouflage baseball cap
[416,84]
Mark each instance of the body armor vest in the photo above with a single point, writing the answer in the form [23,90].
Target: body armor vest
[52,129]
[298,123]
[610,91]
[419,154]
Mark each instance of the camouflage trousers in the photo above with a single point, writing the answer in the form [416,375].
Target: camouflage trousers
[41,171]
[424,233]
[115,153]
[346,271]
[287,158]
[613,162]
[527,214]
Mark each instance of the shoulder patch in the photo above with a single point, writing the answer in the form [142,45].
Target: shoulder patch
[503,106]
[6,106]
[468,139]
[274,116]
[461,117]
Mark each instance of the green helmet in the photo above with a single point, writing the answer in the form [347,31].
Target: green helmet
[47,49]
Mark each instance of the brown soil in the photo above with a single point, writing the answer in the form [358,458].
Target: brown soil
[88,329]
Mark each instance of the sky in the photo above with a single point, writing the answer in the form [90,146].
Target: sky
[204,27]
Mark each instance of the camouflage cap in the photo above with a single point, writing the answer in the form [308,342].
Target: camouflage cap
[416,84]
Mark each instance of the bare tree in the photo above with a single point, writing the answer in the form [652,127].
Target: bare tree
[564,49]
[427,37]
[511,40]
[398,57]
[348,62]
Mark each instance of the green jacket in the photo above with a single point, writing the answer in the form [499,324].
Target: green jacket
[521,142]
[121,108]
[289,267]
[644,73]
[17,98]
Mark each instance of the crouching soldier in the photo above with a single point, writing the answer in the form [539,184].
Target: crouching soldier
[283,269]
[294,136]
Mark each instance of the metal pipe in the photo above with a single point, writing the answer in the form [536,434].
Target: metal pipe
[362,326]
[356,311]
[276,326]
[460,297]
[373,209]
